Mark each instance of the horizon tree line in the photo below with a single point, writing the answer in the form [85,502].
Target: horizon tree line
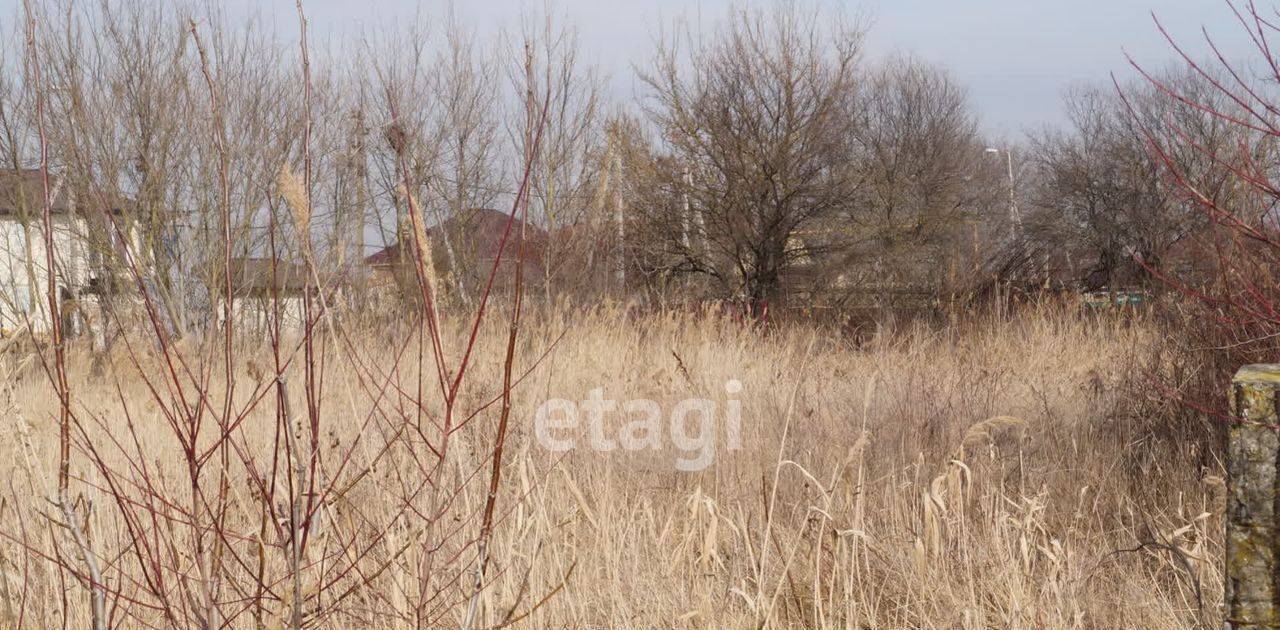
[767,160]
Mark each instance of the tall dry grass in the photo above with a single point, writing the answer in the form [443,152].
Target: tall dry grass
[991,473]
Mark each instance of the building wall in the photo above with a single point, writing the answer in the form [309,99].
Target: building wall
[253,315]
[23,289]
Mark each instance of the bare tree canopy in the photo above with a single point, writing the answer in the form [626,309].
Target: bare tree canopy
[757,135]
[1102,193]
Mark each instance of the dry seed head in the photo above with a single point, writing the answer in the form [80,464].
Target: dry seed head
[855,451]
[919,557]
[988,429]
[958,479]
[583,507]
[421,245]
[296,198]
[935,507]
[710,541]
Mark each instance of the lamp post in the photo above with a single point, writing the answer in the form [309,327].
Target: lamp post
[1015,217]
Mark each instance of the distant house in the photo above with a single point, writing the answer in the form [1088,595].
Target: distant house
[82,251]
[475,239]
[261,288]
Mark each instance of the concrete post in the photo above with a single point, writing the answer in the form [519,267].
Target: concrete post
[1253,445]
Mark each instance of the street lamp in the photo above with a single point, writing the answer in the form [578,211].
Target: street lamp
[1015,217]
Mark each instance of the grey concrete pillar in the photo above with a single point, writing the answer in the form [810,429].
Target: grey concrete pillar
[1253,446]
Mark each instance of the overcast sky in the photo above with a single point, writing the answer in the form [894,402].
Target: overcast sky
[1015,56]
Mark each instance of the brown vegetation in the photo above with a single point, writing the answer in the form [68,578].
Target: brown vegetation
[352,461]
[990,474]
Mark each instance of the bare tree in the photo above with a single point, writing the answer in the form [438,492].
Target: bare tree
[1212,132]
[758,129]
[467,126]
[924,184]
[1102,193]
[128,147]
[566,168]
[17,140]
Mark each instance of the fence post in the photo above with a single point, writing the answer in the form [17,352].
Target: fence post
[1253,445]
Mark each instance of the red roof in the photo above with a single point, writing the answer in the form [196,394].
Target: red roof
[478,237]
[388,255]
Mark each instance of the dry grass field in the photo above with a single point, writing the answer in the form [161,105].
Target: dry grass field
[986,474]
[295,346]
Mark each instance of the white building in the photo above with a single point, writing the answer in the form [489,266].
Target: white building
[264,290]
[79,257]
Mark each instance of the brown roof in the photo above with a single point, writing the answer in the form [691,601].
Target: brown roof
[389,255]
[477,237]
[23,190]
[254,275]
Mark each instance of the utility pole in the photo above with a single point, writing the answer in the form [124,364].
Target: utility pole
[684,217]
[1015,217]
[700,224]
[620,258]
[612,177]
